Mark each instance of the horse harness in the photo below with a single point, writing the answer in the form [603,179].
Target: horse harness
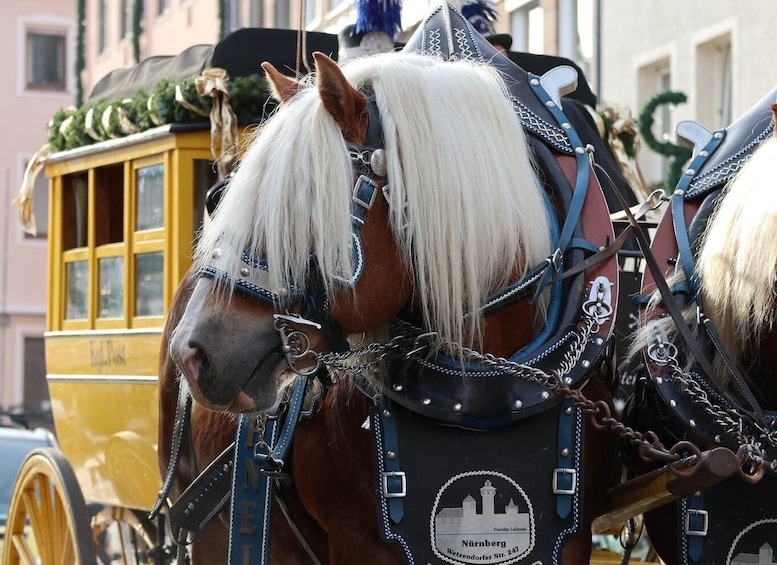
[686,402]
[427,410]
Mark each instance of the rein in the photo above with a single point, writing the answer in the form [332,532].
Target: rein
[664,354]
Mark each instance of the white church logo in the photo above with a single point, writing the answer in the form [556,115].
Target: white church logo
[490,532]
[749,547]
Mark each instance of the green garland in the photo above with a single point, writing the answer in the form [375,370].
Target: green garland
[250,99]
[137,28]
[79,62]
[679,154]
[222,19]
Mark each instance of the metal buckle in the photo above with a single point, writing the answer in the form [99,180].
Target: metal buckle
[564,471]
[705,522]
[403,484]
[365,195]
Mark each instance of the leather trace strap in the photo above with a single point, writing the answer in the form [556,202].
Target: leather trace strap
[180,436]
[661,284]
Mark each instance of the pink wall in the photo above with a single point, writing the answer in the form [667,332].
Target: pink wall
[24,115]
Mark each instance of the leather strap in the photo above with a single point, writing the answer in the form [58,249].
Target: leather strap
[252,491]
[180,434]
[205,497]
[393,479]
[565,481]
[661,285]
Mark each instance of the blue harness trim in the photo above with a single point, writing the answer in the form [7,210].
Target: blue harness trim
[257,466]
[685,259]
[252,491]
[565,475]
[581,178]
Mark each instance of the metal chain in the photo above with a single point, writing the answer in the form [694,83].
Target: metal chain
[749,450]
[410,340]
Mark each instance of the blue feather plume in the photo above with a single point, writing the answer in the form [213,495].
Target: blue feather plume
[480,14]
[378,15]
[483,8]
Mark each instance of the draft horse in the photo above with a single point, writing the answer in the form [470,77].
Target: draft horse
[393,235]
[708,339]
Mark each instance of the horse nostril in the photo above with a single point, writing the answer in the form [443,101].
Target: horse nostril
[195,360]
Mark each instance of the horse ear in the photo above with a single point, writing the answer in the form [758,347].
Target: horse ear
[346,104]
[282,87]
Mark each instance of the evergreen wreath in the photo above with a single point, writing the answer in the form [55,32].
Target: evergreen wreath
[73,127]
[679,154]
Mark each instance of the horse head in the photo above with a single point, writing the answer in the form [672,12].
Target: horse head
[399,184]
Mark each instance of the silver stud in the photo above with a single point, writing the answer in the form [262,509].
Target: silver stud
[550,104]
[704,153]
[717,439]
[566,125]
[659,380]
[518,404]
[717,135]
[245,271]
[216,253]
[690,172]
[391,455]
[286,348]
[378,162]
[599,341]
[568,410]
[564,452]
[585,363]
[567,380]
[545,395]
[398,387]
[580,150]
[679,192]
[535,82]
[692,423]
[457,407]
[387,413]
[426,401]
[672,403]
[225,467]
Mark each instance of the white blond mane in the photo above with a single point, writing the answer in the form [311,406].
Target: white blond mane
[737,266]
[737,263]
[461,187]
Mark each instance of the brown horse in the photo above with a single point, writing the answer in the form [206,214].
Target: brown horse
[712,384]
[442,259]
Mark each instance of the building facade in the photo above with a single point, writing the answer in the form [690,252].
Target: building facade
[715,52]
[39,38]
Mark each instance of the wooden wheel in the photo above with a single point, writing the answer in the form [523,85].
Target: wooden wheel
[47,515]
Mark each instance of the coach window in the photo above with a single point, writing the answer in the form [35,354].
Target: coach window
[109,236]
[148,240]
[75,209]
[149,198]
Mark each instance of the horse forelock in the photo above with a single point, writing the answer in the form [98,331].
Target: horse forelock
[463,196]
[737,265]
